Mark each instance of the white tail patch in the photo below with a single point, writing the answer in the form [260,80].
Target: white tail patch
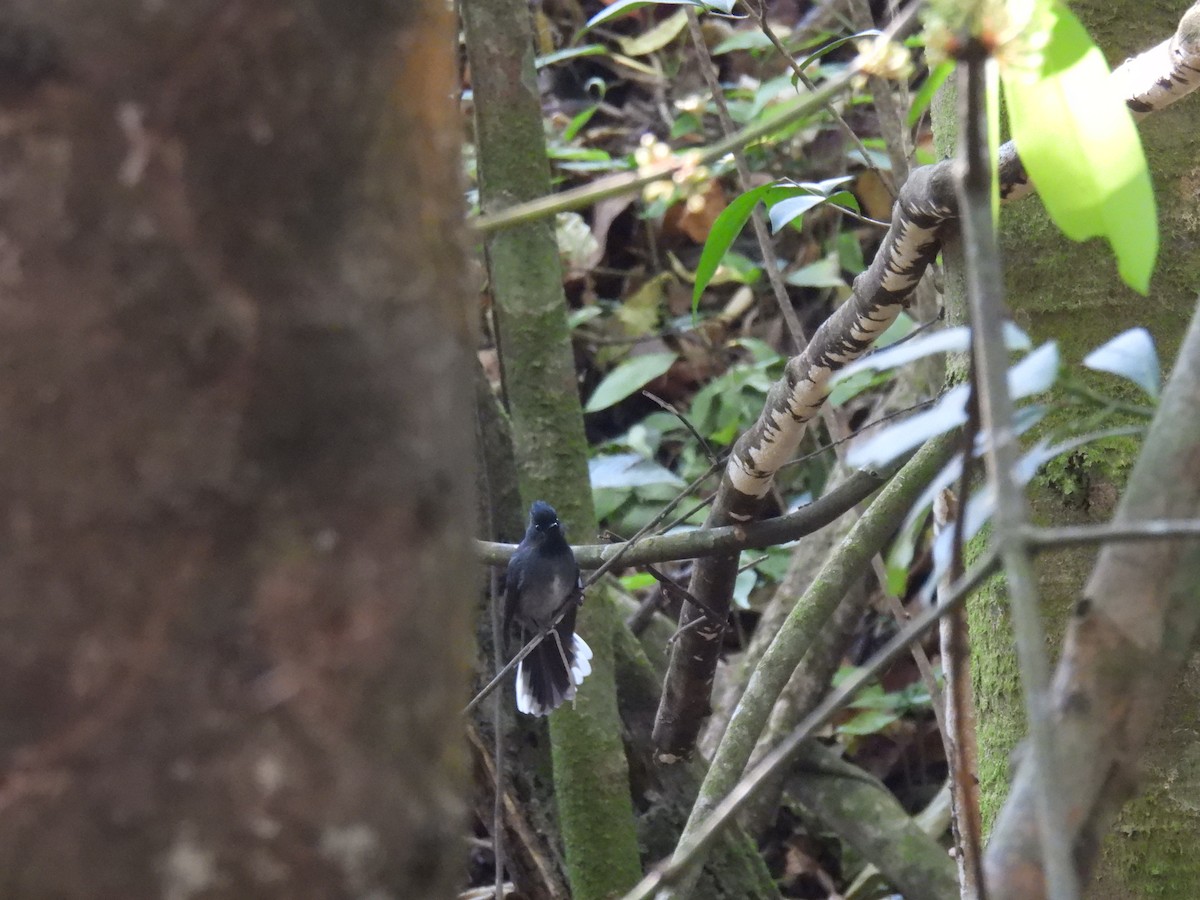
[581,667]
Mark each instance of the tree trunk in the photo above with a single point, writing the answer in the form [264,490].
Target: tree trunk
[1070,293]
[236,461]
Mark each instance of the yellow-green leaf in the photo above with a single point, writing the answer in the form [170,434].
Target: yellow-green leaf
[655,38]
[1080,148]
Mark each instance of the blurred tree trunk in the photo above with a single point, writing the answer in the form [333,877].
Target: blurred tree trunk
[235,464]
[1068,292]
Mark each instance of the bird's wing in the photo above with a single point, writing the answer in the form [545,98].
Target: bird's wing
[512,593]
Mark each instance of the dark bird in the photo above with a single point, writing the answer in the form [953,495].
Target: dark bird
[543,577]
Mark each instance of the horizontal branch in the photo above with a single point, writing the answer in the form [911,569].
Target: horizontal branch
[713,541]
[1153,530]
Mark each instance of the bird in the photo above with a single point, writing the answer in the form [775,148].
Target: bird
[543,576]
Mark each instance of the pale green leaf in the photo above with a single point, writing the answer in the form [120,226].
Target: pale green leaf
[1131,355]
[1079,146]
[628,377]
[655,38]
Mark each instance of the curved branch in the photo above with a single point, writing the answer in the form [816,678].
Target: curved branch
[709,541]
[926,204]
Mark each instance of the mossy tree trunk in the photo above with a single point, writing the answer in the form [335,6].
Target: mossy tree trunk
[591,775]
[236,466]
[1063,291]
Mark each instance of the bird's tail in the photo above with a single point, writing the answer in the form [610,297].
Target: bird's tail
[549,675]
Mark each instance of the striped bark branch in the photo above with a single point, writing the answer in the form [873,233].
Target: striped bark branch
[927,204]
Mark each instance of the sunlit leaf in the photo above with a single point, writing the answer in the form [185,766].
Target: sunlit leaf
[1131,355]
[566,53]
[629,376]
[1079,145]
[947,340]
[868,721]
[628,470]
[621,7]
[949,412]
[1032,375]
[823,273]
[1035,373]
[742,586]
[655,38]
[785,211]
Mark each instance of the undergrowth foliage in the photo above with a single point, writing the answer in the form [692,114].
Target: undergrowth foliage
[681,344]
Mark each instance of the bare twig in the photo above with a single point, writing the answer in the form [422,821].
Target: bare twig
[761,21]
[962,750]
[770,262]
[1152,530]
[984,286]
[616,185]
[686,854]
[498,725]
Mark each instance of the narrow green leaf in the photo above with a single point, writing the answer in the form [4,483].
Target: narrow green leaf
[833,45]
[655,38]
[725,229]
[924,96]
[624,6]
[566,53]
[1078,143]
[626,378]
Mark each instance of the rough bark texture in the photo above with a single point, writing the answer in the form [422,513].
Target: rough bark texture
[1070,293]
[591,778]
[236,474]
[1130,632]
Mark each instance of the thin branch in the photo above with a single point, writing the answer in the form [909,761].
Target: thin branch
[761,21]
[962,746]
[498,725]
[708,451]
[1153,530]
[770,262]
[711,541]
[616,185]
[686,855]
[984,291]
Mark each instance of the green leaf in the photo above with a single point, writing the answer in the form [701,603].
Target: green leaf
[629,470]
[724,231]
[624,6]
[833,45]
[628,377]
[1131,355]
[792,208]
[924,96]
[823,273]
[869,721]
[654,38]
[742,40]
[566,53]
[1078,143]
[638,581]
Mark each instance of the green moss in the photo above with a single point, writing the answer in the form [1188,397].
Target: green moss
[1070,293]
